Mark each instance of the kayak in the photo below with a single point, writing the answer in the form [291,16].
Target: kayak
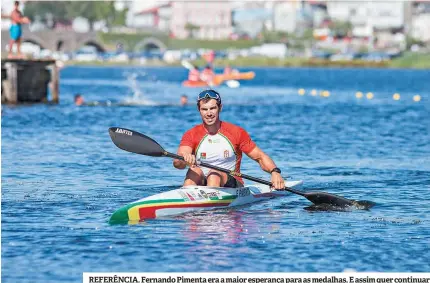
[217,81]
[194,198]
[220,78]
[239,76]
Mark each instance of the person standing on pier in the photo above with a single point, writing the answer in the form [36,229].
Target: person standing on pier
[16,30]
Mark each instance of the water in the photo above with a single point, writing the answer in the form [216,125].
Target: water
[62,177]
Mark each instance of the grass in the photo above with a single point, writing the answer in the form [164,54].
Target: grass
[412,60]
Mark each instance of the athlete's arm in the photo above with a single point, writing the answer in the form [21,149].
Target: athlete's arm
[18,18]
[267,164]
[187,153]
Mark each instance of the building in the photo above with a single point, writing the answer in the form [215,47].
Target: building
[420,21]
[369,16]
[156,17]
[286,16]
[212,19]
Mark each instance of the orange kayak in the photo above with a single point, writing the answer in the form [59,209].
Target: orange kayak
[217,81]
[238,76]
[220,78]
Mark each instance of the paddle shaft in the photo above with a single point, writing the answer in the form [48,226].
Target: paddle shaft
[232,173]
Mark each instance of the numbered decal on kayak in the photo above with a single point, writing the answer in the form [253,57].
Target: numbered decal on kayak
[213,195]
[243,192]
[194,196]
[203,193]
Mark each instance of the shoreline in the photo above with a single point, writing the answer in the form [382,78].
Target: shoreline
[408,61]
[414,61]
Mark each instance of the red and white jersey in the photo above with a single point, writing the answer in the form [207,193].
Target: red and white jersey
[224,149]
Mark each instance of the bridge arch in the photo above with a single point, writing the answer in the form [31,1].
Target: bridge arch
[97,45]
[149,43]
[32,41]
[35,40]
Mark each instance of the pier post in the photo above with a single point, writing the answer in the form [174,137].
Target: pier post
[10,86]
[54,83]
[26,81]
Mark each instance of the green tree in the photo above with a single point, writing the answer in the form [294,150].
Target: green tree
[340,28]
[191,28]
[57,9]
[93,11]
[119,18]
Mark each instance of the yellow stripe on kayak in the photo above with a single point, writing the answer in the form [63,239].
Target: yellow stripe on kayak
[133,213]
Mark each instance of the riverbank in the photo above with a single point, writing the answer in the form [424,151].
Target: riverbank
[408,60]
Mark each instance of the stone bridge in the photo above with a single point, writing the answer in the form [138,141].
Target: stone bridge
[69,41]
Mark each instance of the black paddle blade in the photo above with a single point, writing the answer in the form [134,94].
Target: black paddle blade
[326,198]
[135,142]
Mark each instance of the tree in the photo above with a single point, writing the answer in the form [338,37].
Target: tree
[340,28]
[191,28]
[48,9]
[93,11]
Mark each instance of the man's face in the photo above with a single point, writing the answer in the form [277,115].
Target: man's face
[79,101]
[184,100]
[209,111]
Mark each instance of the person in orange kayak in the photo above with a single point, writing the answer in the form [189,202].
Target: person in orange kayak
[221,144]
[229,71]
[194,74]
[208,75]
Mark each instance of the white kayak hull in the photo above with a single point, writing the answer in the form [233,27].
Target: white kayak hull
[195,198]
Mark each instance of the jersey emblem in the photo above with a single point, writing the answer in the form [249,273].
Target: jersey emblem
[203,155]
[226,154]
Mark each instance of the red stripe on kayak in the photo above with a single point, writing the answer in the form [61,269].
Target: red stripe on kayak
[190,197]
[149,212]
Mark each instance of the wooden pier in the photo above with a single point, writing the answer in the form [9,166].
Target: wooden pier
[29,81]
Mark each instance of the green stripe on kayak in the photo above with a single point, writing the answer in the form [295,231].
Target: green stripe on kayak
[121,215]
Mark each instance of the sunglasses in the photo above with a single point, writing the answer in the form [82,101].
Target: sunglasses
[209,94]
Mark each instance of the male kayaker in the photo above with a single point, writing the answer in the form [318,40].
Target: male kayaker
[16,30]
[194,74]
[229,71]
[208,75]
[221,144]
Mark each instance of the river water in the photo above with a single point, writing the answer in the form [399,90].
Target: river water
[62,177]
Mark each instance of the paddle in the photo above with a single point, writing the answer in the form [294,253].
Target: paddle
[229,83]
[136,142]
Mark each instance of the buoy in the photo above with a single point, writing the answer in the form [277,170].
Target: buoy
[396,96]
[325,93]
[369,95]
[417,98]
[301,91]
[313,92]
[359,94]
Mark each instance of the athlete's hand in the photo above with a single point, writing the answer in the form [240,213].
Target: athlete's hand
[25,20]
[190,159]
[277,181]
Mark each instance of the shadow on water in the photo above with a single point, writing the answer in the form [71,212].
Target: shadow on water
[358,205]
